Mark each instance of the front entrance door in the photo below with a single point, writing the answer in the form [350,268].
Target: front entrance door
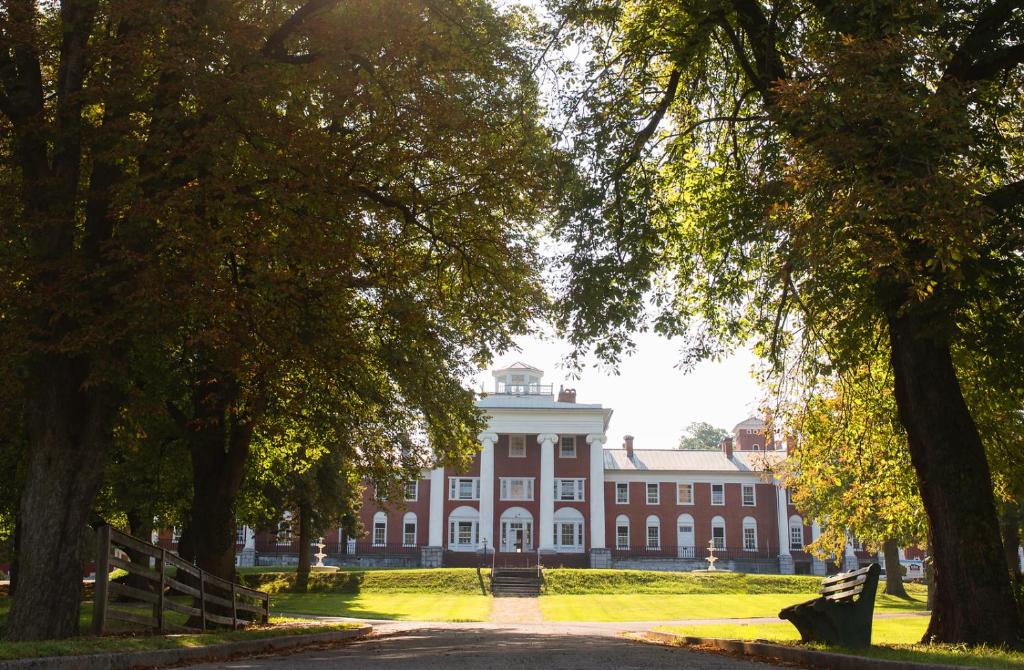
[516,536]
[685,542]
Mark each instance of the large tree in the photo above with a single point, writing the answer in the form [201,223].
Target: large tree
[835,168]
[701,435]
[197,180]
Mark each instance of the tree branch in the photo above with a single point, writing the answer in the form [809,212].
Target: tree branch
[1005,197]
[767,61]
[274,46]
[986,31]
[647,131]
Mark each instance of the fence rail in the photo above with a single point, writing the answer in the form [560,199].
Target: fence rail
[166,593]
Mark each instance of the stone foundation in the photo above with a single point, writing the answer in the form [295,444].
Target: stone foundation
[431,557]
[601,558]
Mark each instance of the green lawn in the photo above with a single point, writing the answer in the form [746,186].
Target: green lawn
[669,606]
[895,639]
[402,606]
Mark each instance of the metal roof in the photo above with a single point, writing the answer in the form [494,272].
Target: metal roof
[750,423]
[679,460]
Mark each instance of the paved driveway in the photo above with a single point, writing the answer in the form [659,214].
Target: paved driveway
[492,646]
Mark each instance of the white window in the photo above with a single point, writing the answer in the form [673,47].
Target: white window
[749,534]
[516,488]
[517,446]
[567,447]
[653,494]
[622,532]
[240,535]
[569,489]
[284,529]
[718,494]
[380,529]
[411,490]
[684,494]
[718,532]
[653,533]
[568,533]
[621,493]
[175,535]
[463,488]
[749,499]
[796,533]
[755,447]
[789,497]
[463,528]
[409,529]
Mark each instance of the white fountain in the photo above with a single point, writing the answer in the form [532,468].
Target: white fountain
[320,567]
[711,559]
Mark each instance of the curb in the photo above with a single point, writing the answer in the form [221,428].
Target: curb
[806,657]
[164,657]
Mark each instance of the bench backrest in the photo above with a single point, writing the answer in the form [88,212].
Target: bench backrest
[847,585]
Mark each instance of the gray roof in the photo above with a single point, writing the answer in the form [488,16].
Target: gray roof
[679,460]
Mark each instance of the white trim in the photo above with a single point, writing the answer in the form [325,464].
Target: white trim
[719,522]
[652,522]
[753,495]
[415,491]
[617,485]
[749,523]
[717,504]
[454,489]
[379,519]
[410,518]
[579,487]
[657,493]
[504,483]
[680,501]
[561,446]
[512,442]
[622,521]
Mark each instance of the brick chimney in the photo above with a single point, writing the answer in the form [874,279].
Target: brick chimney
[726,445]
[627,444]
[566,395]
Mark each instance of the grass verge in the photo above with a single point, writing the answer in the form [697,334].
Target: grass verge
[569,581]
[120,643]
[894,639]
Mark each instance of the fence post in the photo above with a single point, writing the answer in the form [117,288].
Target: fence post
[160,593]
[99,605]
[202,599]
[234,608]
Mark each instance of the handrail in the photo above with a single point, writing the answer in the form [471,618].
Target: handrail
[538,562]
[234,597]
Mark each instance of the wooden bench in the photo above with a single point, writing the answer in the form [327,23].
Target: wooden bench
[842,615]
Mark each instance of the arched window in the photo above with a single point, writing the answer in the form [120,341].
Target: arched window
[718,532]
[685,538]
[749,533]
[463,528]
[653,533]
[796,533]
[284,529]
[409,529]
[622,532]
[380,529]
[568,530]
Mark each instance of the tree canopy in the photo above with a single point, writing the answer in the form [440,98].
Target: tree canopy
[701,435]
[813,173]
[251,218]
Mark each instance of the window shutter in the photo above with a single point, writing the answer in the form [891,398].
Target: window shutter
[529,489]
[476,489]
[451,488]
[504,489]
[451,532]
[579,489]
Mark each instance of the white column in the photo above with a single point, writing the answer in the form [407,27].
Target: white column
[250,538]
[850,560]
[435,535]
[487,441]
[547,490]
[818,567]
[783,520]
[596,443]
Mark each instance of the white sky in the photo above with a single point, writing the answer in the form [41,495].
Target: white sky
[652,399]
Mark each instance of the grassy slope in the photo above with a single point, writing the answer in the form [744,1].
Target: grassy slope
[567,581]
[439,580]
[895,639]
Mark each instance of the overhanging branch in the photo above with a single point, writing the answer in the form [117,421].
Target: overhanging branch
[274,46]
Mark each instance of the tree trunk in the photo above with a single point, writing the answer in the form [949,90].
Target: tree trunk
[302,576]
[1009,520]
[893,570]
[140,525]
[974,600]
[69,433]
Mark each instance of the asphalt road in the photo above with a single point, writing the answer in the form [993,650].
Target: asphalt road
[493,647]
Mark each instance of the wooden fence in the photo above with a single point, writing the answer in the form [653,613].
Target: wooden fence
[178,597]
